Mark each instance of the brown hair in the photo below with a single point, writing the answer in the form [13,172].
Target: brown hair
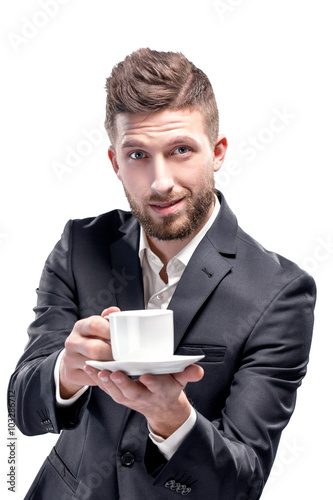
[148,81]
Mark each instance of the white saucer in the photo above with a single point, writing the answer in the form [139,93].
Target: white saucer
[174,364]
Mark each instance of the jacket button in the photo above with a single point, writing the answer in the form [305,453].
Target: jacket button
[128,459]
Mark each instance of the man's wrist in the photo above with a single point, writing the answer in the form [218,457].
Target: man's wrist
[166,423]
[171,444]
[69,396]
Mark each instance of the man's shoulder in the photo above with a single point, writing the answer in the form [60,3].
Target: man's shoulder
[265,263]
[116,216]
[246,254]
[96,233]
[107,223]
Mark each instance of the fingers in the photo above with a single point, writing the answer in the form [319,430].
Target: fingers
[121,388]
[154,384]
[90,338]
[174,381]
[94,326]
[124,390]
[160,383]
[79,348]
[131,390]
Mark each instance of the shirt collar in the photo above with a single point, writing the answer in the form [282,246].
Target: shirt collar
[185,253]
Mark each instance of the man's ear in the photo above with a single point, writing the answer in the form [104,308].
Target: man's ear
[113,160]
[220,150]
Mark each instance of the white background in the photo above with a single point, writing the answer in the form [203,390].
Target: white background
[263,58]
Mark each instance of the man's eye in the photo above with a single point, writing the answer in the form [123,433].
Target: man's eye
[138,155]
[181,150]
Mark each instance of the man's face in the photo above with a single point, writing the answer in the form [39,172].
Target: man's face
[166,164]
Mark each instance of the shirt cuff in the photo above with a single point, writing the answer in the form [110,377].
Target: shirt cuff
[59,399]
[170,445]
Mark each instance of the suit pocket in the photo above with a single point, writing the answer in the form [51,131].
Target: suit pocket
[59,465]
[212,353]
[53,481]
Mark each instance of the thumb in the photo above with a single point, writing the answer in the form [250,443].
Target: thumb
[110,310]
[192,373]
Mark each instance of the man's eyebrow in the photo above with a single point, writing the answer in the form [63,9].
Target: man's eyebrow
[133,144]
[182,139]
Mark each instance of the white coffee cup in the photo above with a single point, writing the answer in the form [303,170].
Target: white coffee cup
[142,334]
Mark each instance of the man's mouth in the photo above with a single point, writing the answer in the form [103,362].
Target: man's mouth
[167,207]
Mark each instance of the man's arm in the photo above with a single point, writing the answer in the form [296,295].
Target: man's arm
[57,325]
[237,450]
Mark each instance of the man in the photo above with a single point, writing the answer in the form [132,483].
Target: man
[212,431]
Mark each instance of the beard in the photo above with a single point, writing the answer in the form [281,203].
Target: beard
[174,226]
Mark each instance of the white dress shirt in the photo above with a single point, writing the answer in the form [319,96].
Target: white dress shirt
[157,296]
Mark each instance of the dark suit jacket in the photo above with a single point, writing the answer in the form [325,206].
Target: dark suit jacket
[248,310]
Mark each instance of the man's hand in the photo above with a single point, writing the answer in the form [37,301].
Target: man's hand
[89,339]
[160,398]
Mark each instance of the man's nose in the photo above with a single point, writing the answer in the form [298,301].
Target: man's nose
[162,178]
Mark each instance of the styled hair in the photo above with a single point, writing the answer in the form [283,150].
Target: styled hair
[148,81]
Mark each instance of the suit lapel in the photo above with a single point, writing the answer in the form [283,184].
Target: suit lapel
[202,275]
[205,270]
[126,265]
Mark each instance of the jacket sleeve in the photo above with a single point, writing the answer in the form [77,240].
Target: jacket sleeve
[55,315]
[231,457]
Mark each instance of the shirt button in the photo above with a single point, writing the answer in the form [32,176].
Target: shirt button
[160,296]
[128,459]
